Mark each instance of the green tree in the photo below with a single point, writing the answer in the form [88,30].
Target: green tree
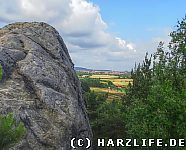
[93,82]
[11,131]
[106,117]
[155,105]
[111,85]
[109,122]
[85,87]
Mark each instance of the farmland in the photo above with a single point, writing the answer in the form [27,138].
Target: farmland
[114,85]
[116,80]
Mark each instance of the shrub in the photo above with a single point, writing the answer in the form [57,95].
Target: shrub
[11,131]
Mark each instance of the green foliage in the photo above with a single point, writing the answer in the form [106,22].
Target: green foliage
[109,123]
[1,72]
[11,131]
[85,86]
[94,101]
[106,117]
[80,74]
[155,105]
[111,85]
[93,82]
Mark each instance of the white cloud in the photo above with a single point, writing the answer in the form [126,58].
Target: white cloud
[81,26]
[84,18]
[122,43]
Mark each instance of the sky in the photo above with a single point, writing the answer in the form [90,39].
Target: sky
[102,34]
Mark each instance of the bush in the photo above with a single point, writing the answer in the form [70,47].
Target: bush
[11,131]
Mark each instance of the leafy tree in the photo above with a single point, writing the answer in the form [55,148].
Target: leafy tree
[11,131]
[155,105]
[85,86]
[108,123]
[93,101]
[111,85]
[93,82]
[106,117]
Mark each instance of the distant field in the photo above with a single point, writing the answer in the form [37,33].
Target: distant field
[112,94]
[119,82]
[97,76]
[113,78]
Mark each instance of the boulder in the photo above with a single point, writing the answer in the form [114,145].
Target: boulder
[40,87]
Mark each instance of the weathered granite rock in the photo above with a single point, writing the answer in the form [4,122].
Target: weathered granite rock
[40,87]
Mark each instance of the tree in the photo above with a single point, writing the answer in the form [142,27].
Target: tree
[155,104]
[106,117]
[93,82]
[85,87]
[111,85]
[11,131]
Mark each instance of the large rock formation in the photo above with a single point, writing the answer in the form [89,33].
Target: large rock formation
[40,87]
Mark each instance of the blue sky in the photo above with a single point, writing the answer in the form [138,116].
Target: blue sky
[102,34]
[133,19]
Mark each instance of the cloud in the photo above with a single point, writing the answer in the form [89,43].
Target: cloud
[81,26]
[122,44]
[84,18]
[34,10]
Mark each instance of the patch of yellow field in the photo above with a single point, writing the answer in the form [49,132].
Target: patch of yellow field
[114,79]
[103,76]
[119,82]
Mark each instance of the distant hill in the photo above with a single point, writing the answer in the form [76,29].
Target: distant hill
[86,69]
[96,70]
[81,69]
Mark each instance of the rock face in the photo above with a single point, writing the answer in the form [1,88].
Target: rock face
[40,87]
